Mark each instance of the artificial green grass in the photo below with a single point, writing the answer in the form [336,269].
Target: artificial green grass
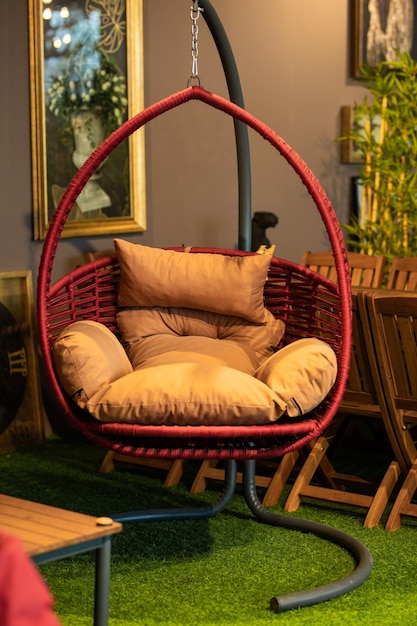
[219,571]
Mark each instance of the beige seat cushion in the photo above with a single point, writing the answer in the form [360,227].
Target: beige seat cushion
[200,392]
[170,349]
[196,383]
[145,331]
[183,380]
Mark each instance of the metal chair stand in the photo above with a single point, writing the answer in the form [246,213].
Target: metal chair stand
[286,602]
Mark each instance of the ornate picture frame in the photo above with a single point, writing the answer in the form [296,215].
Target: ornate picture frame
[401,23]
[86,66]
[21,422]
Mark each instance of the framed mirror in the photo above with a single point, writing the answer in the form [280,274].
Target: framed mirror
[86,64]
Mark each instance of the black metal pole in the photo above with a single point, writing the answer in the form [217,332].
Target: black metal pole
[241,130]
[186,513]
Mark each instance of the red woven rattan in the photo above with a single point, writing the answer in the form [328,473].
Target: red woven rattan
[309,304]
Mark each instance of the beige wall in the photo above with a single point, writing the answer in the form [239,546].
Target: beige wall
[292,57]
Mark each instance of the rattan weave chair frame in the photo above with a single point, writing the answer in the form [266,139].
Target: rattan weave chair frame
[309,304]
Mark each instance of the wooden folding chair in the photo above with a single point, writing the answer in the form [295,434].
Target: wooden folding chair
[364,399]
[393,321]
[365,270]
[267,476]
[403,274]
[361,399]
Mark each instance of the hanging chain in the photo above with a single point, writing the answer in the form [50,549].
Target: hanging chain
[195,14]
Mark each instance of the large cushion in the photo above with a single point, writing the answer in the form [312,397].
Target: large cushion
[186,393]
[88,357]
[145,331]
[301,374]
[182,380]
[200,380]
[162,349]
[231,285]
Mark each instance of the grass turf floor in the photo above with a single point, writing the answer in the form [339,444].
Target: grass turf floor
[219,571]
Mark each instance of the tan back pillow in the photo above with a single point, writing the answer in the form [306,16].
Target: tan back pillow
[232,285]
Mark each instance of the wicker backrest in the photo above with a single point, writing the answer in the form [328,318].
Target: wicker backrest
[365,270]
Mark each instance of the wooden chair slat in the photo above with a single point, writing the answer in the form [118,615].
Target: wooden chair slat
[403,274]
[365,270]
[393,318]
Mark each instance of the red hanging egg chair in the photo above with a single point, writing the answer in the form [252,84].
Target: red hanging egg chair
[310,305]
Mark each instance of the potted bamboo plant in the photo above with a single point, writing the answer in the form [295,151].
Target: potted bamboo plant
[384,133]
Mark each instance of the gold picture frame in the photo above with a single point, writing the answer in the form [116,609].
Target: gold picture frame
[21,422]
[86,74]
[348,151]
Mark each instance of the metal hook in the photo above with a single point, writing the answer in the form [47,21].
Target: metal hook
[196,10]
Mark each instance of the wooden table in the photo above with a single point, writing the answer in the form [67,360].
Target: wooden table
[49,534]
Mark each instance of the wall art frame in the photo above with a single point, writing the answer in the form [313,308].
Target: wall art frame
[348,150]
[360,20]
[86,77]
[21,417]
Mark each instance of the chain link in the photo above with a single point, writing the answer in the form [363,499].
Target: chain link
[194,79]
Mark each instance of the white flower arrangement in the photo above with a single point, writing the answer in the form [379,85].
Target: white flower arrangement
[101,88]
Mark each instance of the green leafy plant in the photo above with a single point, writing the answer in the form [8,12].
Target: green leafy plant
[385,135]
[88,83]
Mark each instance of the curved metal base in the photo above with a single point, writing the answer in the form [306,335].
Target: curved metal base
[203,512]
[292,600]
[349,543]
